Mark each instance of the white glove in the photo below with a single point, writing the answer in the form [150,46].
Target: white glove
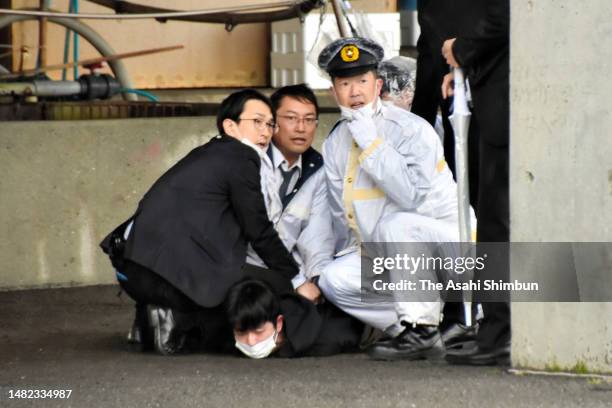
[362,127]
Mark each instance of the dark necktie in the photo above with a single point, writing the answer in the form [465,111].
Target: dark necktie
[287,176]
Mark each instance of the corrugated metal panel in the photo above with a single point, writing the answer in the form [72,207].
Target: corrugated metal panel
[103,110]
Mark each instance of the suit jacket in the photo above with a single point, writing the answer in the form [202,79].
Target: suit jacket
[484,51]
[316,330]
[193,225]
[439,20]
[484,48]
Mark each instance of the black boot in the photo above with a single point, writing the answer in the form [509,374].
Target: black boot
[167,339]
[414,343]
[458,335]
[134,336]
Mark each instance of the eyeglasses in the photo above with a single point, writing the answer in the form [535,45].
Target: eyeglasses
[294,120]
[260,124]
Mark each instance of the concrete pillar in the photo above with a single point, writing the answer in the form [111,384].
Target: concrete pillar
[561,169]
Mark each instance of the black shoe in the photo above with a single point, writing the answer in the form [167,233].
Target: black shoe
[458,336]
[166,338]
[370,336]
[478,357]
[414,343]
[134,336]
[140,336]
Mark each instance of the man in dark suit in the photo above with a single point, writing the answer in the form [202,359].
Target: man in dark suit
[186,245]
[289,325]
[483,51]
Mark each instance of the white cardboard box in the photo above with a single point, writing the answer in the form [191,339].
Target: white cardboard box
[293,58]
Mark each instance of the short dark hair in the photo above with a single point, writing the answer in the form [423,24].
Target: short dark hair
[233,105]
[301,92]
[251,303]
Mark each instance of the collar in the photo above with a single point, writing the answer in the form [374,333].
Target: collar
[278,160]
[380,107]
[261,153]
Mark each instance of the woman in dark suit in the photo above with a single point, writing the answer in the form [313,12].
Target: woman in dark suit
[187,243]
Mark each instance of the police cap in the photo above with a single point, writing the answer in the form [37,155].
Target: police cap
[350,56]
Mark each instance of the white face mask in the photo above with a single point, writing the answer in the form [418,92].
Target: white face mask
[367,110]
[261,349]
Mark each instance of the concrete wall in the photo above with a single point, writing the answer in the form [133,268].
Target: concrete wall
[561,169]
[67,184]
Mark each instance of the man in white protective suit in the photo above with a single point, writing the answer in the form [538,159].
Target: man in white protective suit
[388,182]
[295,191]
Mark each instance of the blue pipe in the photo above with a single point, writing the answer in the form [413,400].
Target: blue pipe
[140,92]
[75,47]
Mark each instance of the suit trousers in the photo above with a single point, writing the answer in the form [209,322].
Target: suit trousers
[491,107]
[209,326]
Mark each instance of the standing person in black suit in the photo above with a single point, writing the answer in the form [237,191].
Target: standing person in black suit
[439,20]
[186,245]
[483,52]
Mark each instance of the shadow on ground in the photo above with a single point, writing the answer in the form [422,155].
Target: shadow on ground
[75,339]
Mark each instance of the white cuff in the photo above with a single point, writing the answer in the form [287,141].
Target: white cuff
[298,280]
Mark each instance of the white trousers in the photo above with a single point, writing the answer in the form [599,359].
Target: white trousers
[341,280]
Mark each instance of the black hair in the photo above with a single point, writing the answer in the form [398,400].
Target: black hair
[301,92]
[251,303]
[233,105]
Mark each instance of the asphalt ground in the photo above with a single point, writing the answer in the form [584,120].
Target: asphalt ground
[74,339]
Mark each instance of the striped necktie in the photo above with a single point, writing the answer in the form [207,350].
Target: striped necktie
[287,176]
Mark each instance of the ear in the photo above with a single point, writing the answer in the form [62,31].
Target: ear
[279,323]
[332,90]
[230,127]
[379,84]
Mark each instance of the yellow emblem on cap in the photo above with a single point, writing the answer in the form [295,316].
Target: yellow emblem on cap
[349,53]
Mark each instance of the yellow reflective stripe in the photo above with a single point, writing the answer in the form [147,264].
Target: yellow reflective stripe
[367,193]
[473,236]
[440,165]
[348,189]
[370,149]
